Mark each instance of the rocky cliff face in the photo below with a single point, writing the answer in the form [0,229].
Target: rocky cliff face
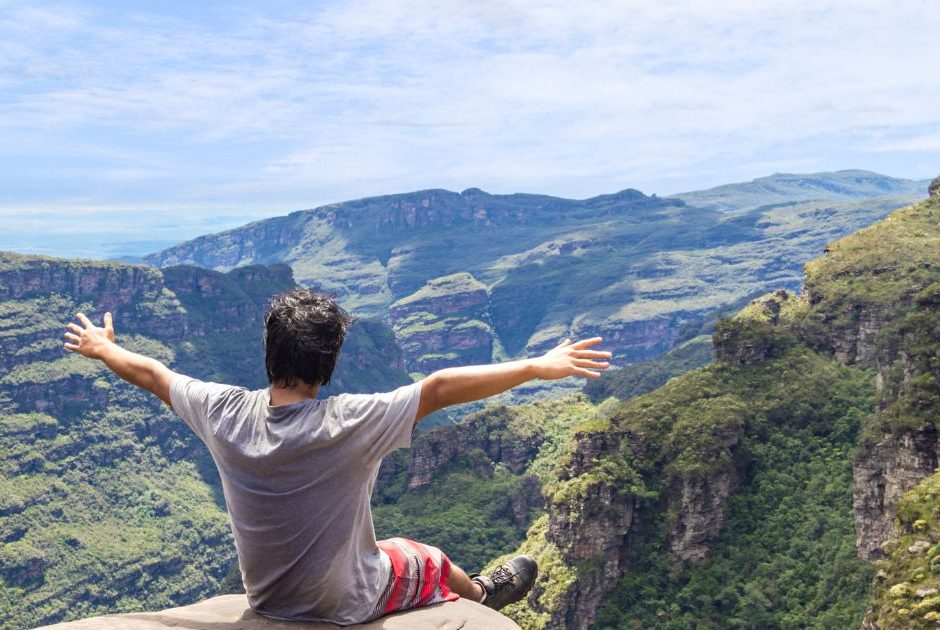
[865,305]
[870,301]
[897,333]
[748,341]
[698,504]
[884,472]
[588,522]
[44,293]
[225,302]
[255,243]
[445,323]
[644,499]
[641,473]
[109,284]
[498,433]
[863,332]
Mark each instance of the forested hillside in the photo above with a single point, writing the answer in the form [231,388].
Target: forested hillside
[107,502]
[725,498]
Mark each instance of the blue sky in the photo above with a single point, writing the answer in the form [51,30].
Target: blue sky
[156,121]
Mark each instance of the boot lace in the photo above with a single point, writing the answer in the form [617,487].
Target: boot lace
[502,578]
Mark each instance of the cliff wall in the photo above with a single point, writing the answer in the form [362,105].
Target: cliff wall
[106,498]
[869,304]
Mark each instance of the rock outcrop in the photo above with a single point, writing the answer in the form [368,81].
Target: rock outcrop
[496,434]
[588,521]
[232,611]
[603,504]
[884,472]
[445,323]
[746,342]
[869,301]
[700,506]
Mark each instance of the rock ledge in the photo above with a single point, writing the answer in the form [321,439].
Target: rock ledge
[231,612]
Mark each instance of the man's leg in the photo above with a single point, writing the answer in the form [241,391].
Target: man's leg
[460,583]
[442,580]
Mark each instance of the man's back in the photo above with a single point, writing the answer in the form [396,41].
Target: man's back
[297,480]
[298,476]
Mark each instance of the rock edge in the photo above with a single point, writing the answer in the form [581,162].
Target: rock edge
[231,612]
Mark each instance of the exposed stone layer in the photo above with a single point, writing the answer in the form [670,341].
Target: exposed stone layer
[446,323]
[884,472]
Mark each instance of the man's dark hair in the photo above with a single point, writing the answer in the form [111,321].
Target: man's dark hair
[303,333]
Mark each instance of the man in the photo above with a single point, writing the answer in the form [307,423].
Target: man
[297,471]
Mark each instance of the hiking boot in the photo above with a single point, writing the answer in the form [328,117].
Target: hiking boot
[508,583]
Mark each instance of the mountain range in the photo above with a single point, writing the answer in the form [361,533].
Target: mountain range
[473,276]
[722,497]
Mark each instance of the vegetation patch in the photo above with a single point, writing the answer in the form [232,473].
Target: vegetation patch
[907,587]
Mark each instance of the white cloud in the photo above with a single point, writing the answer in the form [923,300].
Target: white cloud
[927,142]
[573,98]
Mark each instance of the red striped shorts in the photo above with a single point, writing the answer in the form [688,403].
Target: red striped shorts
[418,578]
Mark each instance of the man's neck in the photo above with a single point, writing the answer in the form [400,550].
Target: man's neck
[299,392]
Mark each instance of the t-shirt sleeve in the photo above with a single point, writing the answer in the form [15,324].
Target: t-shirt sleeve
[383,422]
[192,399]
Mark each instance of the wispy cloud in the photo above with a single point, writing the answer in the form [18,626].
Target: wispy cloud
[236,105]
[929,143]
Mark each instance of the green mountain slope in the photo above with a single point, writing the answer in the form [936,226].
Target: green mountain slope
[632,268]
[107,502]
[722,497]
[742,494]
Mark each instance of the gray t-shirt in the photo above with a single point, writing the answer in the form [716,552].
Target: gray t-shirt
[297,480]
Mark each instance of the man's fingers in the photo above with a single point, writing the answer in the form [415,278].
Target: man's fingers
[75,328]
[73,338]
[586,363]
[591,354]
[87,322]
[109,326]
[71,347]
[587,343]
[587,373]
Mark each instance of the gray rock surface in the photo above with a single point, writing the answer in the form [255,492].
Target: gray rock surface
[231,612]
[883,472]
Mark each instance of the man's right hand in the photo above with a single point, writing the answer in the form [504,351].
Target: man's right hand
[572,359]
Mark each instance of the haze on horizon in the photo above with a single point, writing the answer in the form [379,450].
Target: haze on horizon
[122,121]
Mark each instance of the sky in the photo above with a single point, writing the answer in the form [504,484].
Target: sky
[126,126]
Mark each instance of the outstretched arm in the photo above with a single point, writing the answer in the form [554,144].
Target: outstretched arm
[452,386]
[98,343]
